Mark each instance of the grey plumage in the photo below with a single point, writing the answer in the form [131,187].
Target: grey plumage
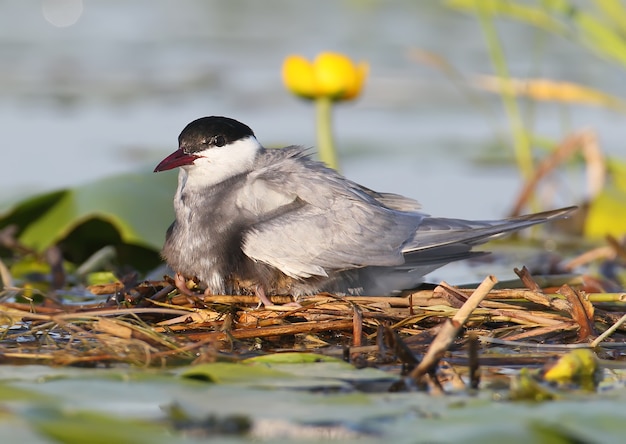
[249,217]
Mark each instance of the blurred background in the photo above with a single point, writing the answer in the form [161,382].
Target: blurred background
[90,89]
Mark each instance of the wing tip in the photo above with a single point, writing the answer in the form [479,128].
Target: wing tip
[546,215]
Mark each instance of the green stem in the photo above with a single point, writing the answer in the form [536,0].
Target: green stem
[521,142]
[325,145]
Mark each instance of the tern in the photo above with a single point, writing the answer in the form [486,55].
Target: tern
[275,221]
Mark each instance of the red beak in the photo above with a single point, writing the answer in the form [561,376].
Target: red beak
[176,159]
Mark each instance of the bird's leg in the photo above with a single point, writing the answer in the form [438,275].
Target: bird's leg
[181,283]
[264,300]
[260,293]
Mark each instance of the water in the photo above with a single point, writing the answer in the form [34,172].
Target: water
[111,92]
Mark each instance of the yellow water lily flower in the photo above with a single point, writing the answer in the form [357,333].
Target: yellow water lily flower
[330,75]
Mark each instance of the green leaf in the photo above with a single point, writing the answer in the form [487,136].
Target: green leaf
[225,373]
[10,393]
[29,265]
[600,37]
[131,209]
[101,277]
[617,170]
[532,15]
[607,210]
[607,214]
[79,427]
[137,205]
[613,11]
[526,387]
[29,209]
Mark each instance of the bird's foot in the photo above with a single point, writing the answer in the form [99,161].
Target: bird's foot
[264,300]
[181,283]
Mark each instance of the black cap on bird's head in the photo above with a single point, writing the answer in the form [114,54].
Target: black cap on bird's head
[207,132]
[203,134]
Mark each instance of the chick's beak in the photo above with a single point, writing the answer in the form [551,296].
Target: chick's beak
[176,159]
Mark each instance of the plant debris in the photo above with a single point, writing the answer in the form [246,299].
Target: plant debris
[151,324]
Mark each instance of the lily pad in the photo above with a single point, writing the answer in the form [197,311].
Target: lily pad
[70,426]
[293,358]
[130,211]
[80,405]
[225,373]
[10,393]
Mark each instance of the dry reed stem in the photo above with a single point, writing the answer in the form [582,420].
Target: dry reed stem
[608,332]
[584,141]
[6,280]
[357,325]
[450,329]
[540,331]
[141,334]
[604,252]
[581,310]
[299,328]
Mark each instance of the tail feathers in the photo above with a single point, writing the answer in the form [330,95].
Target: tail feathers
[436,233]
[438,256]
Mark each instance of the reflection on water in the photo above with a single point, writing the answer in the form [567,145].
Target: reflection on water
[110,92]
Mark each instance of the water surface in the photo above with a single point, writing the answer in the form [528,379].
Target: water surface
[111,92]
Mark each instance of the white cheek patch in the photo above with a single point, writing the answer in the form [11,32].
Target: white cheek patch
[214,165]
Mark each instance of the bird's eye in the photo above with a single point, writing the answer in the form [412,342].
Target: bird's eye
[219,141]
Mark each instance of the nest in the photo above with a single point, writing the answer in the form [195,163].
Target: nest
[152,324]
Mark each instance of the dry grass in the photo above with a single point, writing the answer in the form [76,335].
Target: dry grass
[163,327]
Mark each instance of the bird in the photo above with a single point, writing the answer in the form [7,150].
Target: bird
[275,221]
